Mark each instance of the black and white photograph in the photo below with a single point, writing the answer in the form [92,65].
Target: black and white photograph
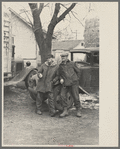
[51,64]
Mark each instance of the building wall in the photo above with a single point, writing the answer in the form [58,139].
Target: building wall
[6,44]
[24,40]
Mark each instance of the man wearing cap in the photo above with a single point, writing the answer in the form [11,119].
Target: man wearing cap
[47,77]
[68,73]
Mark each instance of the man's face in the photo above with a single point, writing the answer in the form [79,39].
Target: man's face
[64,58]
[49,60]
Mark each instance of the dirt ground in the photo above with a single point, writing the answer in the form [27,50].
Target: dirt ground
[22,126]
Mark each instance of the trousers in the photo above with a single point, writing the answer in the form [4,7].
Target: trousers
[74,91]
[40,98]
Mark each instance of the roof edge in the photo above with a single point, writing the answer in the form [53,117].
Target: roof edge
[10,9]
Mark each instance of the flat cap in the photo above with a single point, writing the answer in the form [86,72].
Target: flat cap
[64,54]
[50,56]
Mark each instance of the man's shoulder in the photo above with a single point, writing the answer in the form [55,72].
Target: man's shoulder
[43,64]
[70,62]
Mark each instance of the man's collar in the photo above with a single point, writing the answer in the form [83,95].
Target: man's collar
[52,64]
[65,62]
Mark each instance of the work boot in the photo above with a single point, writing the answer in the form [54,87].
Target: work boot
[53,114]
[78,112]
[39,112]
[65,112]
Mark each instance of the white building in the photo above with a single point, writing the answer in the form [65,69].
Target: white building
[23,39]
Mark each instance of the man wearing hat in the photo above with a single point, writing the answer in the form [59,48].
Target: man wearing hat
[68,73]
[47,77]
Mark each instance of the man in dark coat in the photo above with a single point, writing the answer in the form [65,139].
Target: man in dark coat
[68,73]
[47,77]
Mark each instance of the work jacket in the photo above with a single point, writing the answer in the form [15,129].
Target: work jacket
[45,84]
[69,73]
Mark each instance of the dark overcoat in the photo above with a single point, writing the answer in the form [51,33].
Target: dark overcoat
[69,72]
[45,84]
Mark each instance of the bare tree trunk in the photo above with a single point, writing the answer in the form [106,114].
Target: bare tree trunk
[39,38]
[37,28]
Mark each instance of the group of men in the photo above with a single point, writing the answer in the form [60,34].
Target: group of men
[67,74]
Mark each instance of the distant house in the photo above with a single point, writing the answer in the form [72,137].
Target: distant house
[60,46]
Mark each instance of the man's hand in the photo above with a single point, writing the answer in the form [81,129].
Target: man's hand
[34,77]
[61,81]
[40,75]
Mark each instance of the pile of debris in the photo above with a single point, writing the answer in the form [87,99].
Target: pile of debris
[89,101]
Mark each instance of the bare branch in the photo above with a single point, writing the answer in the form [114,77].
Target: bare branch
[56,11]
[66,12]
[52,25]
[66,8]
[63,5]
[73,14]
[88,11]
[25,11]
[41,6]
[53,21]
[59,31]
[46,5]
[33,6]
[77,19]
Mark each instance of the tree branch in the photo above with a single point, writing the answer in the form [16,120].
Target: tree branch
[66,12]
[33,6]
[41,6]
[77,19]
[46,5]
[56,11]
[73,14]
[53,21]
[67,8]
[25,11]
[52,25]
[88,11]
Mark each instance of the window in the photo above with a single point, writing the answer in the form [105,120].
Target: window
[19,66]
[81,57]
[96,58]
[12,40]
[82,44]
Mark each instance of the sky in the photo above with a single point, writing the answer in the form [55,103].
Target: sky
[70,26]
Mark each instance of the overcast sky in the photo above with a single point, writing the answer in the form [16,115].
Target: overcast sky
[70,25]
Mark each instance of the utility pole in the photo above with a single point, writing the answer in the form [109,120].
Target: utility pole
[75,33]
